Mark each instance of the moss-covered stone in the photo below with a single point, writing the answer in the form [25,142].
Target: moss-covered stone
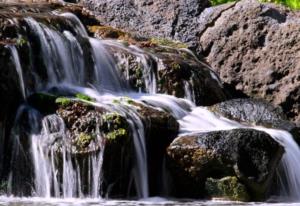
[63,101]
[84,97]
[227,188]
[114,126]
[83,140]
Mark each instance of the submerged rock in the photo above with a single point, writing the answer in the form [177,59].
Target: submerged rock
[250,155]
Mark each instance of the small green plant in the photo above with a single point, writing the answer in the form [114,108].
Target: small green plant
[63,101]
[293,4]
[84,97]
[21,41]
[217,2]
[83,140]
[114,126]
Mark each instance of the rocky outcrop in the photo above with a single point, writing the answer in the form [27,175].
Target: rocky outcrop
[165,66]
[91,129]
[250,155]
[257,113]
[255,48]
[167,19]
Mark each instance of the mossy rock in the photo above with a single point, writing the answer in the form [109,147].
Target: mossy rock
[63,101]
[228,188]
[84,97]
[84,140]
[114,126]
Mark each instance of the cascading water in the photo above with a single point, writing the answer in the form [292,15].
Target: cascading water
[63,58]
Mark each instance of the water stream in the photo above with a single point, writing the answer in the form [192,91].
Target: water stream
[63,57]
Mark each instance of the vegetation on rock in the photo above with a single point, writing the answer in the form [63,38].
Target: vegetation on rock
[227,188]
[84,97]
[114,126]
[63,101]
[294,4]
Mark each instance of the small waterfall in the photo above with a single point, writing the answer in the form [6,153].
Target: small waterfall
[15,57]
[58,173]
[48,160]
[107,77]
[202,120]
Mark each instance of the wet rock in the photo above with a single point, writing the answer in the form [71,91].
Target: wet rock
[168,69]
[254,47]
[226,188]
[256,112]
[250,155]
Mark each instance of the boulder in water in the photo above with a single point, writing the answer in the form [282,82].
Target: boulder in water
[250,155]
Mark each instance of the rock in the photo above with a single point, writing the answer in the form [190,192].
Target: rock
[250,155]
[169,69]
[256,56]
[254,47]
[258,113]
[226,188]
[166,19]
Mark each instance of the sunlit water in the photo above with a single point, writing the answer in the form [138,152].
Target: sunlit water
[63,57]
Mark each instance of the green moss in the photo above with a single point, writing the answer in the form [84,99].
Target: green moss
[84,97]
[63,101]
[21,41]
[227,188]
[83,140]
[217,2]
[293,4]
[114,126]
[116,134]
[168,42]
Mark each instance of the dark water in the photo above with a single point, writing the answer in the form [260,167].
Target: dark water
[13,201]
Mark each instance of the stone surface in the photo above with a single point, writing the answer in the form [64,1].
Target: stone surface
[255,48]
[226,188]
[165,67]
[257,113]
[159,18]
[250,155]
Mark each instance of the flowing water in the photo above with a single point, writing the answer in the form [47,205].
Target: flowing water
[64,58]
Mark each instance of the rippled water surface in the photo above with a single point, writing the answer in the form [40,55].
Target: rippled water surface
[12,201]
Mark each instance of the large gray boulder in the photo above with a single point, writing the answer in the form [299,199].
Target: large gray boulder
[254,47]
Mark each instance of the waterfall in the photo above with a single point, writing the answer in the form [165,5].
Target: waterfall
[202,120]
[56,172]
[19,70]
